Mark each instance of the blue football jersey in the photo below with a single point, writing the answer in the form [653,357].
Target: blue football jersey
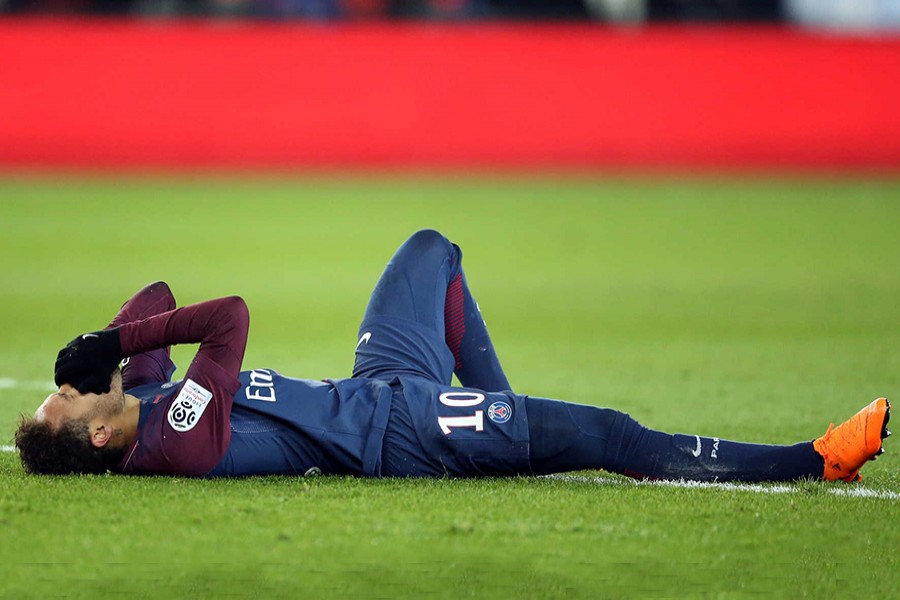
[282,425]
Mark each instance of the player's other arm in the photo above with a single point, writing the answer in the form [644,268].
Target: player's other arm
[195,445]
[154,366]
[195,432]
[219,326]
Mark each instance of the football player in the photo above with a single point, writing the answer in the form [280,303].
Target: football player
[117,410]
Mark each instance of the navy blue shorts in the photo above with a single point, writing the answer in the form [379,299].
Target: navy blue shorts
[437,430]
[433,429]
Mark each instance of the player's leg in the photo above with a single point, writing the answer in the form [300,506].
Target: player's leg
[475,361]
[421,319]
[569,437]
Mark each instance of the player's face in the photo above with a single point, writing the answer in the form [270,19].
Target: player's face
[68,403]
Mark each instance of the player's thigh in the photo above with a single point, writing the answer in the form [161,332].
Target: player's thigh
[414,283]
[389,347]
[402,332]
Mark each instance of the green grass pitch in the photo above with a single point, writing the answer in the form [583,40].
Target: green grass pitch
[748,308]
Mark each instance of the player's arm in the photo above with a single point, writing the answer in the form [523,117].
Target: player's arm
[195,433]
[153,366]
[219,326]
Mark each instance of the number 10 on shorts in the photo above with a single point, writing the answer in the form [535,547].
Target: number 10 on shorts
[462,399]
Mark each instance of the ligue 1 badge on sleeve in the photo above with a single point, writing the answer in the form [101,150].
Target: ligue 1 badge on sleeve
[499,412]
[189,406]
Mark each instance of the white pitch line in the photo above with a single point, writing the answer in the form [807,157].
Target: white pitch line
[861,492]
[8,383]
[7,448]
[838,490]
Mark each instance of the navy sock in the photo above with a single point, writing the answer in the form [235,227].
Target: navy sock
[639,452]
[568,437]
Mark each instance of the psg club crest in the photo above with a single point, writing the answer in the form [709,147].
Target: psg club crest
[499,412]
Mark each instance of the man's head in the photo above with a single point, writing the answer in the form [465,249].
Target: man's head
[72,432]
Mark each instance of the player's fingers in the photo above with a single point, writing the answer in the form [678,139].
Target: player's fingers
[64,374]
[90,386]
[58,379]
[65,356]
[63,361]
[96,383]
[75,356]
[71,372]
[69,363]
[73,345]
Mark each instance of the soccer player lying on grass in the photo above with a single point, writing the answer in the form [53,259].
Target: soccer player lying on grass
[396,416]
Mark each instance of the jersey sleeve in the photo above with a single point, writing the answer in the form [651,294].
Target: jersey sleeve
[190,432]
[153,366]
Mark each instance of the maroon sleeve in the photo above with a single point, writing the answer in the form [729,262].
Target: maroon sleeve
[220,326]
[190,433]
[154,366]
[150,300]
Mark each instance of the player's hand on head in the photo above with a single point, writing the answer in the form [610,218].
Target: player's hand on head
[92,383]
[88,361]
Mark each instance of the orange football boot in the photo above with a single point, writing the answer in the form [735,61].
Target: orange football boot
[857,440]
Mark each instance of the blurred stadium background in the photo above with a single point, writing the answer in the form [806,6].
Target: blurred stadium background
[546,84]
[867,14]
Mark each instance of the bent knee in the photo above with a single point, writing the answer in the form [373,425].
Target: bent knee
[426,241]
[428,237]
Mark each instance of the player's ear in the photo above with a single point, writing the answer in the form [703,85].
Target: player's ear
[100,435]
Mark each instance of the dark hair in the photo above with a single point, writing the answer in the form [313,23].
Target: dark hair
[66,450]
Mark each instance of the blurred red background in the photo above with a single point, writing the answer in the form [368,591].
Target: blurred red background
[204,94]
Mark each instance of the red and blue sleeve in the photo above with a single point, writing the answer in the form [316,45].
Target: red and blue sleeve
[190,433]
[153,366]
